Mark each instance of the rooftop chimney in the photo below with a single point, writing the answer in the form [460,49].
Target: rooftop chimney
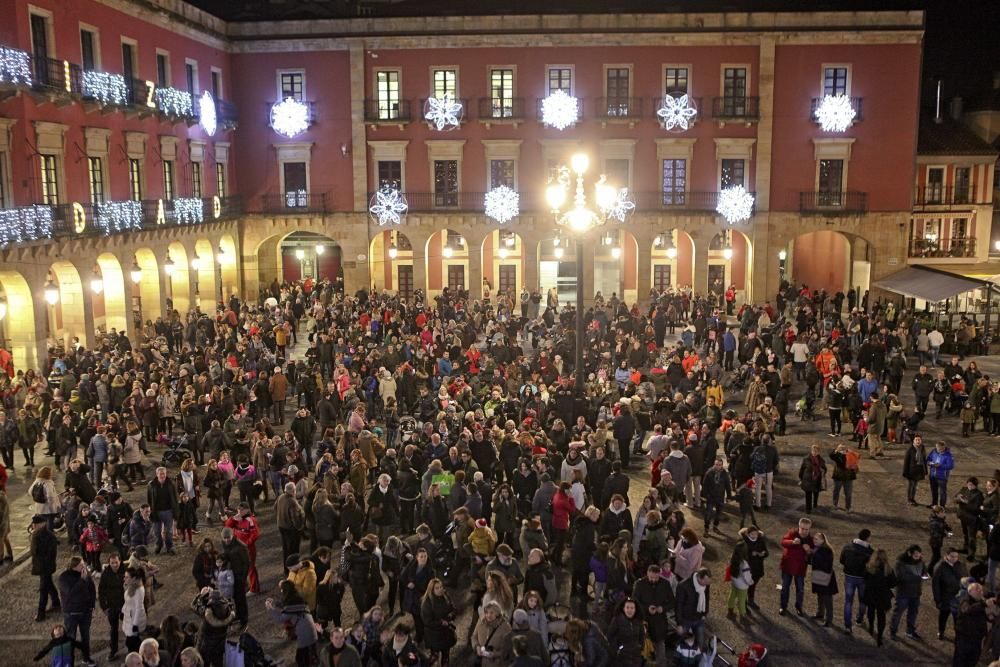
[937,104]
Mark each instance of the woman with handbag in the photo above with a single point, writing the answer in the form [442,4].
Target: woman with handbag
[824,581]
[438,616]
[812,477]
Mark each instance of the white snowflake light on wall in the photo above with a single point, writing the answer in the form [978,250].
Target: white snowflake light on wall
[105,88]
[15,66]
[119,216]
[835,113]
[677,112]
[206,114]
[735,204]
[560,110]
[174,102]
[621,207]
[289,117]
[444,112]
[387,206]
[28,223]
[502,204]
[189,211]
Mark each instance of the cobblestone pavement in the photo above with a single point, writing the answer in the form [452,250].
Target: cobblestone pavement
[879,504]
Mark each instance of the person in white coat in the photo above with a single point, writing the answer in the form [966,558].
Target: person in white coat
[134,609]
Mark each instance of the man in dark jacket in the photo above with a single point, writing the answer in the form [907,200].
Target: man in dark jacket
[239,561]
[914,467]
[693,598]
[854,557]
[923,387]
[715,489]
[598,473]
[111,597]
[304,428]
[44,547]
[909,572]
[971,625]
[584,543]
[654,597]
[946,584]
[161,494]
[213,442]
[970,501]
[78,595]
[617,483]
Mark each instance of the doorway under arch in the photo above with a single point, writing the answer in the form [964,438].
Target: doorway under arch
[17,326]
[148,306]
[178,281]
[830,260]
[309,255]
[447,262]
[66,315]
[673,260]
[391,262]
[110,305]
[504,263]
[227,258]
[729,261]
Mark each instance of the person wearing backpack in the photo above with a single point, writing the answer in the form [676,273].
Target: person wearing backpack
[846,464]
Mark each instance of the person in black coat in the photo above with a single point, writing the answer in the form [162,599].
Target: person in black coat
[438,616]
[880,579]
[44,548]
[754,552]
[363,573]
[945,584]
[618,482]
[914,467]
[598,473]
[584,544]
[822,565]
[79,597]
[615,519]
[627,634]
[655,597]
[78,479]
[239,562]
[111,597]
[693,599]
[623,429]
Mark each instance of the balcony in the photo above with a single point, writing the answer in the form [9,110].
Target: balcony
[947,248]
[857,103]
[56,80]
[291,203]
[501,109]
[425,202]
[833,203]
[677,201]
[226,114]
[932,196]
[381,112]
[618,109]
[741,109]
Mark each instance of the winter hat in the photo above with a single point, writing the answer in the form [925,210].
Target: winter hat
[293,561]
[520,618]
[751,483]
[480,523]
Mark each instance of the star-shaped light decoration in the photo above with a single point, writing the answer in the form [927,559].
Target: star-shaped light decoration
[560,110]
[289,117]
[387,206]
[677,112]
[206,114]
[621,207]
[735,204]
[444,112]
[502,204]
[835,113]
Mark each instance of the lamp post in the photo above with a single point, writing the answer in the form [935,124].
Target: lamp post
[782,256]
[580,220]
[51,298]
[136,275]
[300,254]
[196,267]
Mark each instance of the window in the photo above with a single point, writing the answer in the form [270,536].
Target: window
[168,179]
[617,172]
[191,77]
[135,179]
[959,228]
[4,197]
[508,279]
[834,81]
[292,84]
[444,82]
[446,182]
[935,185]
[390,174]
[456,277]
[128,61]
[560,78]
[387,94]
[50,180]
[95,173]
[404,280]
[831,182]
[733,173]
[675,81]
[88,49]
[962,175]
[162,70]
[617,79]
[502,93]
[734,91]
[674,182]
[296,190]
[220,179]
[40,47]
[216,84]
[196,179]
[501,173]
[661,277]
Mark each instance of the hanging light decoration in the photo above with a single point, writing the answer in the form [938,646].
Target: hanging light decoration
[189,211]
[207,116]
[835,113]
[105,88]
[174,102]
[735,204]
[502,204]
[27,223]
[15,67]
[387,206]
[96,282]
[135,273]
[444,112]
[119,216]
[290,117]
[677,113]
[51,292]
[560,110]
[393,251]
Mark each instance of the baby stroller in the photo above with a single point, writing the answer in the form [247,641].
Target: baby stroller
[177,452]
[559,651]
[805,407]
[754,655]
[910,424]
[741,378]
[407,427]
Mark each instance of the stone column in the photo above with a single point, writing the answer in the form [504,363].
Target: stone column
[764,273]
[644,268]
[765,126]
[700,262]
[251,277]
[475,269]
[359,145]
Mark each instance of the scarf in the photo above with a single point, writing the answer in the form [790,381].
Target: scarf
[700,590]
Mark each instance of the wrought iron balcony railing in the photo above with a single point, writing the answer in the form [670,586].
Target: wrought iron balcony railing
[940,195]
[387,111]
[942,248]
[833,202]
[736,108]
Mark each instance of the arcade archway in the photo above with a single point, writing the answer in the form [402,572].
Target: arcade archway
[673,260]
[504,263]
[829,260]
[392,263]
[17,324]
[447,262]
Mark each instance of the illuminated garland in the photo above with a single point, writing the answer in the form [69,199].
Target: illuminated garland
[119,216]
[189,211]
[28,223]
[105,88]
[15,66]
[174,102]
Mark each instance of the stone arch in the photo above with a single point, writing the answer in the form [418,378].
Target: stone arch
[672,259]
[18,334]
[448,261]
[67,318]
[111,306]
[834,260]
[504,260]
[178,281]
[277,260]
[228,260]
[730,255]
[392,263]
[149,305]
[204,272]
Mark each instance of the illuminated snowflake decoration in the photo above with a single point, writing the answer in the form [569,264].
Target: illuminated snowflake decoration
[289,117]
[105,88]
[735,204]
[835,113]
[621,208]
[560,110]
[444,112]
[174,102]
[387,206]
[206,114]
[189,211]
[502,204]
[15,66]
[677,112]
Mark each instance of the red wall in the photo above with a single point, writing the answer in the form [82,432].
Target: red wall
[820,261]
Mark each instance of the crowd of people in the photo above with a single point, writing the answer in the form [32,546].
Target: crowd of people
[435,457]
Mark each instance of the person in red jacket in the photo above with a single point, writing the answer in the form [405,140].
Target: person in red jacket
[796,547]
[245,529]
[563,507]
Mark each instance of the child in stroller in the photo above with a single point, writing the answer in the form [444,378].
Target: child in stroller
[805,406]
[958,396]
[910,424]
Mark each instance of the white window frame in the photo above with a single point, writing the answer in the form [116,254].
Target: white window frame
[675,149]
[619,149]
[97,142]
[399,82]
[5,152]
[822,76]
[501,149]
[572,78]
[833,149]
[135,57]
[489,81]
[135,149]
[722,77]
[295,152]
[442,68]
[213,71]
[98,61]
[222,157]
[196,84]
[50,139]
[50,32]
[289,70]
[663,77]
[389,151]
[170,73]
[734,149]
[445,150]
[944,176]
[631,77]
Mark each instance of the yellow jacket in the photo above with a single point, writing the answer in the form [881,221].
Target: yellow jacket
[483,541]
[304,580]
